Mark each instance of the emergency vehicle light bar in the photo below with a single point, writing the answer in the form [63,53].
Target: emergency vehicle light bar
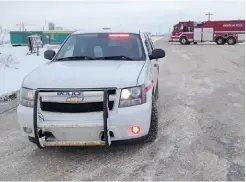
[119,35]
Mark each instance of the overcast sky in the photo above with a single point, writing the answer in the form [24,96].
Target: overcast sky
[151,15]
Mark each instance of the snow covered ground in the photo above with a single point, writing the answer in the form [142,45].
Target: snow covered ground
[240,43]
[4,38]
[15,64]
[155,38]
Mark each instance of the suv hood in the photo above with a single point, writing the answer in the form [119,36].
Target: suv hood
[85,74]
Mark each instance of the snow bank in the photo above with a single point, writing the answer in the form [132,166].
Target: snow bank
[15,65]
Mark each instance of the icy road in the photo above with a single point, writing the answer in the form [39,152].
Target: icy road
[201,111]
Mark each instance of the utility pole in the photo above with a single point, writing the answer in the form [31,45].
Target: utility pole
[208,14]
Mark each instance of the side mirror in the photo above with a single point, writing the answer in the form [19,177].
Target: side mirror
[157,53]
[49,54]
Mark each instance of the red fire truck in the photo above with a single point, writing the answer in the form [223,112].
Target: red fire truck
[221,32]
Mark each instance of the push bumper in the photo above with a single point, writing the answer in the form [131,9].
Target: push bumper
[87,129]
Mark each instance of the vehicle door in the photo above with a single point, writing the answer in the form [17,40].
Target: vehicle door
[154,62]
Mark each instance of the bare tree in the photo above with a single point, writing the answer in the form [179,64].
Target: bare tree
[8,61]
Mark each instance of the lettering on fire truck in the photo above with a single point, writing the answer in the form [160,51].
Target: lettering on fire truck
[232,25]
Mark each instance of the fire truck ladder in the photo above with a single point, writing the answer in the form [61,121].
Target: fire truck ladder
[38,134]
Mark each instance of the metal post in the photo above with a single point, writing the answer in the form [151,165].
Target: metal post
[37,51]
[105,116]
[35,125]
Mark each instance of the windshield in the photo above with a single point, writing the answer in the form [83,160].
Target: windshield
[176,28]
[103,46]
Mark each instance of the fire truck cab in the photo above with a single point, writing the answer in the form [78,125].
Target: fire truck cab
[221,32]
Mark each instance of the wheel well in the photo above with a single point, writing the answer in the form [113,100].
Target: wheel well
[183,37]
[219,37]
[153,92]
[231,37]
[154,88]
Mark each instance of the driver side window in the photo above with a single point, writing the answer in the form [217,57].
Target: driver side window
[176,29]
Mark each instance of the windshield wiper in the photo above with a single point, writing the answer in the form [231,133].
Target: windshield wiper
[115,58]
[75,58]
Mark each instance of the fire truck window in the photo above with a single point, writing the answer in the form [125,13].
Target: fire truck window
[190,29]
[176,29]
[184,29]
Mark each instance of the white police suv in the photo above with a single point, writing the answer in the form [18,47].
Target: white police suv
[100,86]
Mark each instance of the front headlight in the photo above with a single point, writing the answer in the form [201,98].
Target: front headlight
[132,96]
[27,97]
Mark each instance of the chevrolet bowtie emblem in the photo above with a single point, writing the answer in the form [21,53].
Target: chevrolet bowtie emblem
[74,100]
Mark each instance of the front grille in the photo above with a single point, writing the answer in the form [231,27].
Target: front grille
[75,108]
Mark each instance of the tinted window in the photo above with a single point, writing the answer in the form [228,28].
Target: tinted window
[103,45]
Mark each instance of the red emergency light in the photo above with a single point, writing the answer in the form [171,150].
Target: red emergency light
[119,35]
[134,130]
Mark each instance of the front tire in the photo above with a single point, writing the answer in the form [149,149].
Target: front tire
[153,130]
[184,41]
[32,139]
[157,91]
